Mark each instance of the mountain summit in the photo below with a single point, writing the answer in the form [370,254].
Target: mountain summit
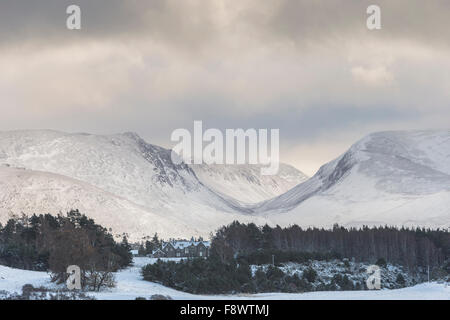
[129,185]
[138,180]
[396,177]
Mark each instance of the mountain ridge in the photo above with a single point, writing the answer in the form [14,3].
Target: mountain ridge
[377,178]
[120,165]
[392,177]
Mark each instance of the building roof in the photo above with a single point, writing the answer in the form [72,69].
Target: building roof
[184,244]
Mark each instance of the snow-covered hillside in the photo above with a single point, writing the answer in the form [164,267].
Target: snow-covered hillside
[400,178]
[122,181]
[245,182]
[28,191]
[122,164]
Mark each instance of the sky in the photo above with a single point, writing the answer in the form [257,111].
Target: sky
[309,68]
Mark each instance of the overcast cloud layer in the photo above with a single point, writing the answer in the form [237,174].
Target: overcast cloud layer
[310,68]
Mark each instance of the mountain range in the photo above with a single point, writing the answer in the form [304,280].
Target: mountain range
[131,186]
[124,183]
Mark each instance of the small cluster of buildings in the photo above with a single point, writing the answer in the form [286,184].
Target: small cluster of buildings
[181,249]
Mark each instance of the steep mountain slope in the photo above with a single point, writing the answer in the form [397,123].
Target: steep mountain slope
[245,182]
[92,172]
[122,164]
[400,178]
[26,192]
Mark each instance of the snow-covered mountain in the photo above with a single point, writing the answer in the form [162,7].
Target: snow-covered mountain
[124,183]
[120,174]
[245,182]
[400,178]
[28,192]
[122,164]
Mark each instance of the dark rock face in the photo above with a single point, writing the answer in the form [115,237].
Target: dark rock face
[166,172]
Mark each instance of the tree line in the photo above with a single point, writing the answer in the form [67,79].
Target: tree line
[404,246]
[52,243]
[237,247]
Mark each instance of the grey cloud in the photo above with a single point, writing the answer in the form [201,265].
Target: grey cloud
[246,66]
[193,24]
[316,22]
[165,21]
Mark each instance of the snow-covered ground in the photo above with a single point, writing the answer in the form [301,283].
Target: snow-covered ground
[12,280]
[130,285]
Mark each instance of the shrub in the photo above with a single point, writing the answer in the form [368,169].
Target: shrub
[160,297]
[381,262]
[310,275]
[400,279]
